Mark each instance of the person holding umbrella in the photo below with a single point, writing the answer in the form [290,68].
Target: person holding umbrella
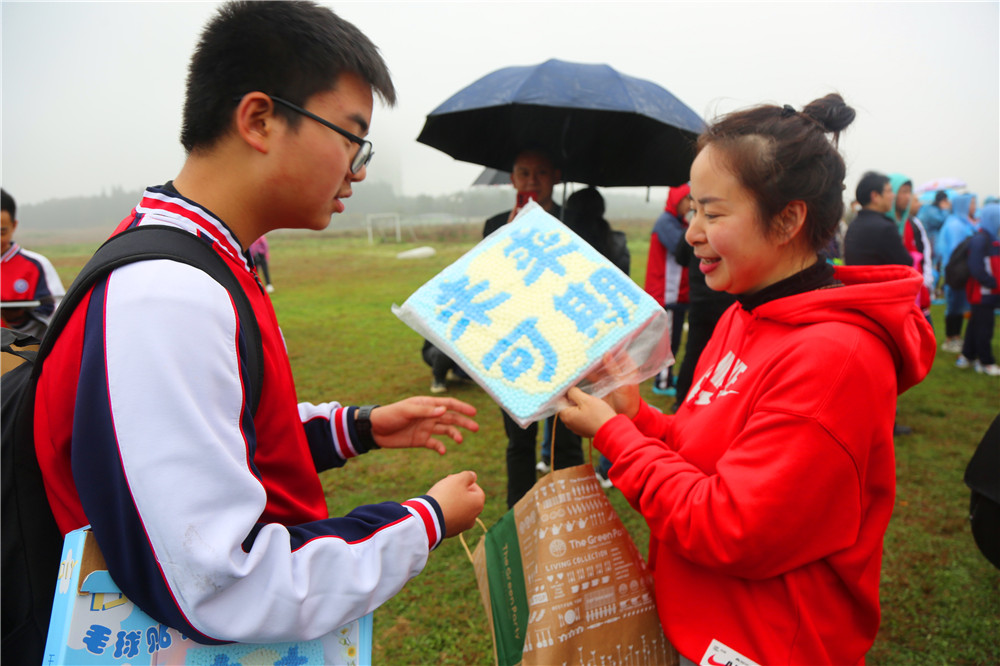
[769,492]
[533,176]
[585,123]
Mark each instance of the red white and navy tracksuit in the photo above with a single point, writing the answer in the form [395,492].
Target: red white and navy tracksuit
[917,243]
[28,276]
[212,519]
[983,291]
[769,492]
[666,278]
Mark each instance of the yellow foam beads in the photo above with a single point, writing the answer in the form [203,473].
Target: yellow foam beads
[528,311]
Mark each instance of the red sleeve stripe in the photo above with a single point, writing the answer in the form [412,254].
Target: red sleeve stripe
[433,522]
[341,437]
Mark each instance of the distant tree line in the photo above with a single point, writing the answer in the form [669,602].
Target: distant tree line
[101,213]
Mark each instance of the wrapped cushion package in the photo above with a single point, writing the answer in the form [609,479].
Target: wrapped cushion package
[533,310]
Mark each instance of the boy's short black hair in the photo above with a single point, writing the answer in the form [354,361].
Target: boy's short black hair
[940,196]
[7,203]
[289,49]
[872,182]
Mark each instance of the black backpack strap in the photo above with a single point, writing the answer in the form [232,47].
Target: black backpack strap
[11,340]
[32,542]
[162,242]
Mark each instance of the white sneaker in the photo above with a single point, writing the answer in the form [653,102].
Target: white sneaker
[543,467]
[952,346]
[269,288]
[605,482]
[438,387]
[992,370]
[962,363]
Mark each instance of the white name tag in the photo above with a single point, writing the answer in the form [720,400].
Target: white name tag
[718,654]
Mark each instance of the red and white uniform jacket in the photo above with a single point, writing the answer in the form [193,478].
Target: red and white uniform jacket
[28,276]
[917,243]
[212,519]
[983,287]
[769,492]
[666,279]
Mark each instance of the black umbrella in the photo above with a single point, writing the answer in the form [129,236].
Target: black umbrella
[600,126]
[491,176]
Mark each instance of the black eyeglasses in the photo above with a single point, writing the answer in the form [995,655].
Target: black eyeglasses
[365,152]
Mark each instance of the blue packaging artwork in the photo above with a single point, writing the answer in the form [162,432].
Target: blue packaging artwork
[533,310]
[94,623]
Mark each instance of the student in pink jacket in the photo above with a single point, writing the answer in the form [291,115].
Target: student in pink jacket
[768,493]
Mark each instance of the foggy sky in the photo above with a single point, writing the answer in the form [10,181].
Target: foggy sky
[92,92]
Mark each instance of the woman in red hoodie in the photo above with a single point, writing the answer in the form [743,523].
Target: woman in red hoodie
[768,493]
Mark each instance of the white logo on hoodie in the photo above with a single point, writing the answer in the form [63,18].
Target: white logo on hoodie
[718,379]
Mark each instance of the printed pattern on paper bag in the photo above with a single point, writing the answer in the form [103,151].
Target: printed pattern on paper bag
[584,578]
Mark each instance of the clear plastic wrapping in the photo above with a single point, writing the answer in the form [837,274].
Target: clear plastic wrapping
[533,310]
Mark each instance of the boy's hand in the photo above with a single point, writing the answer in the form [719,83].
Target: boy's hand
[587,414]
[14,316]
[461,500]
[414,422]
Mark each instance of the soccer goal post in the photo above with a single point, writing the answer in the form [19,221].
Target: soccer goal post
[375,223]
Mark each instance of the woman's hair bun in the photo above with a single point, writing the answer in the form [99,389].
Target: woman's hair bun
[831,112]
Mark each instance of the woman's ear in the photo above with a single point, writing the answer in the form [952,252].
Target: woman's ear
[254,120]
[791,220]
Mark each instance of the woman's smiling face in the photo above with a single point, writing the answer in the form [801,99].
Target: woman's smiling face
[727,233]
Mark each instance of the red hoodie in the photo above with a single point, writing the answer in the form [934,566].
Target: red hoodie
[769,492]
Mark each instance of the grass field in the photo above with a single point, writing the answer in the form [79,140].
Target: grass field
[940,597]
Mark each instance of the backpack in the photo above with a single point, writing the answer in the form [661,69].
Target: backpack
[956,271]
[31,541]
[982,476]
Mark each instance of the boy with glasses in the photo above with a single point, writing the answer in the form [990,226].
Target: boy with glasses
[212,519]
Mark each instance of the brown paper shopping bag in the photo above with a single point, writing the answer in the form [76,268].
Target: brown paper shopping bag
[562,582]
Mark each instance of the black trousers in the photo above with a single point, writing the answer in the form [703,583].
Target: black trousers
[701,325]
[260,261]
[522,454]
[978,342]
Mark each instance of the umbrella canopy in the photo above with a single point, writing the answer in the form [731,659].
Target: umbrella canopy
[928,196]
[492,177]
[941,184]
[600,127]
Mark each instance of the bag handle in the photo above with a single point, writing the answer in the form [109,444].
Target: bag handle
[461,537]
[552,445]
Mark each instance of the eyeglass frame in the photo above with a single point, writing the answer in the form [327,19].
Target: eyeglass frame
[365,149]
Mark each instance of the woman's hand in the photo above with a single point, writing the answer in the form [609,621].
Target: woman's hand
[587,413]
[415,422]
[625,400]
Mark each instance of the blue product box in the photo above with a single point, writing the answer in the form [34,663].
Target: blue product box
[94,623]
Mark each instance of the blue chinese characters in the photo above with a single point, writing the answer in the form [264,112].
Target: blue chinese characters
[528,311]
